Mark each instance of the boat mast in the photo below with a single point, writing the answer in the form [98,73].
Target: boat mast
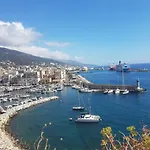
[89,105]
[123,80]
[78,98]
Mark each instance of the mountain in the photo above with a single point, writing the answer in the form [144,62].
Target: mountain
[21,58]
[75,63]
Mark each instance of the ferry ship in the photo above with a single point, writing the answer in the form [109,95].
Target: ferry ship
[123,67]
[112,67]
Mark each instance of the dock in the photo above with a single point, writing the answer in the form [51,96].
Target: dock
[102,87]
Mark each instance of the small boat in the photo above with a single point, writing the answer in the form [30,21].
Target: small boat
[76,87]
[110,91]
[117,91]
[43,92]
[2,110]
[54,97]
[84,90]
[3,100]
[34,98]
[87,118]
[70,119]
[8,107]
[106,91]
[77,108]
[15,105]
[125,92]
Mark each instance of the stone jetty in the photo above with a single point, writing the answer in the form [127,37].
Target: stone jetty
[6,141]
[102,87]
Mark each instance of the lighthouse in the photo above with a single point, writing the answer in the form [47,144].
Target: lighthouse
[138,86]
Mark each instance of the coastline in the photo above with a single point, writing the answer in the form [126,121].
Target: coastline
[7,142]
[84,79]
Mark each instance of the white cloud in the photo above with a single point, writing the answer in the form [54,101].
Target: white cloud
[57,44]
[79,58]
[42,52]
[14,34]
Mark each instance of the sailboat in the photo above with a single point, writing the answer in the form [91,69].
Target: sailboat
[110,91]
[88,118]
[117,91]
[106,91]
[78,107]
[126,90]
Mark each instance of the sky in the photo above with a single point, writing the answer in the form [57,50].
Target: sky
[90,31]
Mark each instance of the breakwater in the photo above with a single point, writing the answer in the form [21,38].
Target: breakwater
[6,141]
[102,87]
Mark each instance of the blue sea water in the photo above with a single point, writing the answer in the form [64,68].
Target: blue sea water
[117,111]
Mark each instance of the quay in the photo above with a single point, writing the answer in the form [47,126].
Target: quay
[102,87]
[6,141]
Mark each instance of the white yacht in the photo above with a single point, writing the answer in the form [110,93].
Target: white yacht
[87,118]
[125,92]
[110,91]
[59,88]
[75,86]
[106,91]
[77,108]
[117,91]
[85,90]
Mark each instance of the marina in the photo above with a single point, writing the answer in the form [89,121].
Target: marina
[16,99]
[5,142]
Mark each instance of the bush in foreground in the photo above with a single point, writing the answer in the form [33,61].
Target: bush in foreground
[132,141]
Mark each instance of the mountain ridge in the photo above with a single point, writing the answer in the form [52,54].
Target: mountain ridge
[21,58]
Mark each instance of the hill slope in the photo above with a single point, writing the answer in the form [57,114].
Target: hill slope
[21,58]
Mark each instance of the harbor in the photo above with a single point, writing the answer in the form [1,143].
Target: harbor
[6,141]
[84,83]
[115,110]
[14,98]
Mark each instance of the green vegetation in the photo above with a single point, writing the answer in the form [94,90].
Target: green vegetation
[132,141]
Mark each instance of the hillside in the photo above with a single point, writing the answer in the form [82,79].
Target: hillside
[20,58]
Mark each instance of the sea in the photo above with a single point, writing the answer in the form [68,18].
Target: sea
[116,111]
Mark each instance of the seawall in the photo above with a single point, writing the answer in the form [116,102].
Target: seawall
[6,141]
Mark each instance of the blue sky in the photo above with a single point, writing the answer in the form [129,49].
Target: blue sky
[91,31]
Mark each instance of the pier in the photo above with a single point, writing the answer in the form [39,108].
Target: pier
[102,87]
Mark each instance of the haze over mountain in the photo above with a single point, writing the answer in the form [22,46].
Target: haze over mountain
[21,58]
[27,59]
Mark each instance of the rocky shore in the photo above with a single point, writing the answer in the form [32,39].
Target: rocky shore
[6,141]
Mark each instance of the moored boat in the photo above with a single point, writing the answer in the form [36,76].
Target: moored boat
[106,91]
[110,91]
[77,108]
[87,118]
[125,92]
[117,91]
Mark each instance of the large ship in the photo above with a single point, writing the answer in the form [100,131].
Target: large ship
[123,67]
[112,67]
